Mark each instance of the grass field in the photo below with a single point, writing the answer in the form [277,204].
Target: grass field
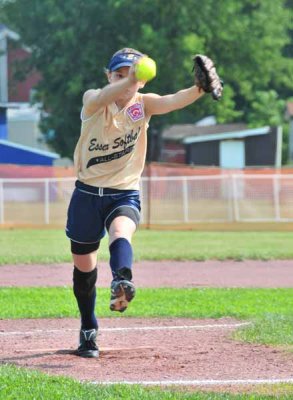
[269,310]
[47,246]
[18,383]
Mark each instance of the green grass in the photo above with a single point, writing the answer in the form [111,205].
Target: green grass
[273,329]
[191,303]
[270,309]
[51,246]
[22,384]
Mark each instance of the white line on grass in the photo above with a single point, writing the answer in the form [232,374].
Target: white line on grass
[134,328]
[204,382]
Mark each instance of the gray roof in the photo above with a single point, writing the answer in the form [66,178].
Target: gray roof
[5,32]
[29,149]
[264,130]
[182,131]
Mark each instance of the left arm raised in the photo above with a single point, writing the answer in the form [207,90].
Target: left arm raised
[156,104]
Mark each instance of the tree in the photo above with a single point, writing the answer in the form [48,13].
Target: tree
[71,42]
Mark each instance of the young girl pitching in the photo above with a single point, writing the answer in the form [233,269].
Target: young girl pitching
[109,159]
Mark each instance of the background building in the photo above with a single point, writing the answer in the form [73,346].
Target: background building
[225,146]
[21,141]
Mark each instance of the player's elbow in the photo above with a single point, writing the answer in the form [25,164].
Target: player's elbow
[92,100]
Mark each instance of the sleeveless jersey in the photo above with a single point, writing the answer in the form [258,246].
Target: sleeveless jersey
[111,149]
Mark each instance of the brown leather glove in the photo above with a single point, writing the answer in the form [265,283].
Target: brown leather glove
[206,77]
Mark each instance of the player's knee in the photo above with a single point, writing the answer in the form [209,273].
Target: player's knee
[84,283]
[133,217]
[83,248]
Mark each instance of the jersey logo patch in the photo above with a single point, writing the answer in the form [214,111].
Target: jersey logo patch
[135,112]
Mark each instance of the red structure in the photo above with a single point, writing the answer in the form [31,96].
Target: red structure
[19,91]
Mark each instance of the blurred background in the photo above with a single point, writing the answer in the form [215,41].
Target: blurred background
[213,162]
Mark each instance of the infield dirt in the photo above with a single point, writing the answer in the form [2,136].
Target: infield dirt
[150,349]
[249,273]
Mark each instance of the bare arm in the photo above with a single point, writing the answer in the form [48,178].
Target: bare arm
[155,104]
[93,100]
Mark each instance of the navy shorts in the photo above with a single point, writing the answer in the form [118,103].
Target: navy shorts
[91,211]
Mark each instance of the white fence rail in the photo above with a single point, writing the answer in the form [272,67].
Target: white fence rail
[165,200]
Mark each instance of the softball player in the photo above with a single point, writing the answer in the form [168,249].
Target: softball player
[109,159]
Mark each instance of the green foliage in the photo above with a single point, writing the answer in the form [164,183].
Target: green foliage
[285,144]
[72,40]
[266,109]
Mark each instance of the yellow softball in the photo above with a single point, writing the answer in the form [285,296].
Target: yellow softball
[145,69]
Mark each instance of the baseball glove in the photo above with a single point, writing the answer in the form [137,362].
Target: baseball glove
[206,77]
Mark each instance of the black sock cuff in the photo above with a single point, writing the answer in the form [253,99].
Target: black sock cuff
[84,283]
[84,275]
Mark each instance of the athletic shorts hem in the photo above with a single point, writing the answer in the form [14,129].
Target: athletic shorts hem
[77,241]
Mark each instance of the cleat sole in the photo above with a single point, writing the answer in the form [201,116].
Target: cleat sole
[121,296]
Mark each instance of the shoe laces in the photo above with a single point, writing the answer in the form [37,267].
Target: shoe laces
[88,340]
[90,345]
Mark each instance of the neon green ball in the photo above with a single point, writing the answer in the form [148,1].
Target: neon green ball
[145,69]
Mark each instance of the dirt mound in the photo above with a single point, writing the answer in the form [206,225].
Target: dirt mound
[142,350]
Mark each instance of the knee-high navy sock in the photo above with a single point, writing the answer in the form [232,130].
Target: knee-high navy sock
[121,258]
[84,288]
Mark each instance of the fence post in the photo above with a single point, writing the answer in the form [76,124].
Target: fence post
[235,198]
[185,199]
[227,193]
[1,202]
[277,197]
[47,211]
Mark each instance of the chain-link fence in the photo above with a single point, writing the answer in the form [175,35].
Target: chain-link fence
[165,200]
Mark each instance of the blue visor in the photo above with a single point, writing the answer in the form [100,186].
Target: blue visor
[123,60]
